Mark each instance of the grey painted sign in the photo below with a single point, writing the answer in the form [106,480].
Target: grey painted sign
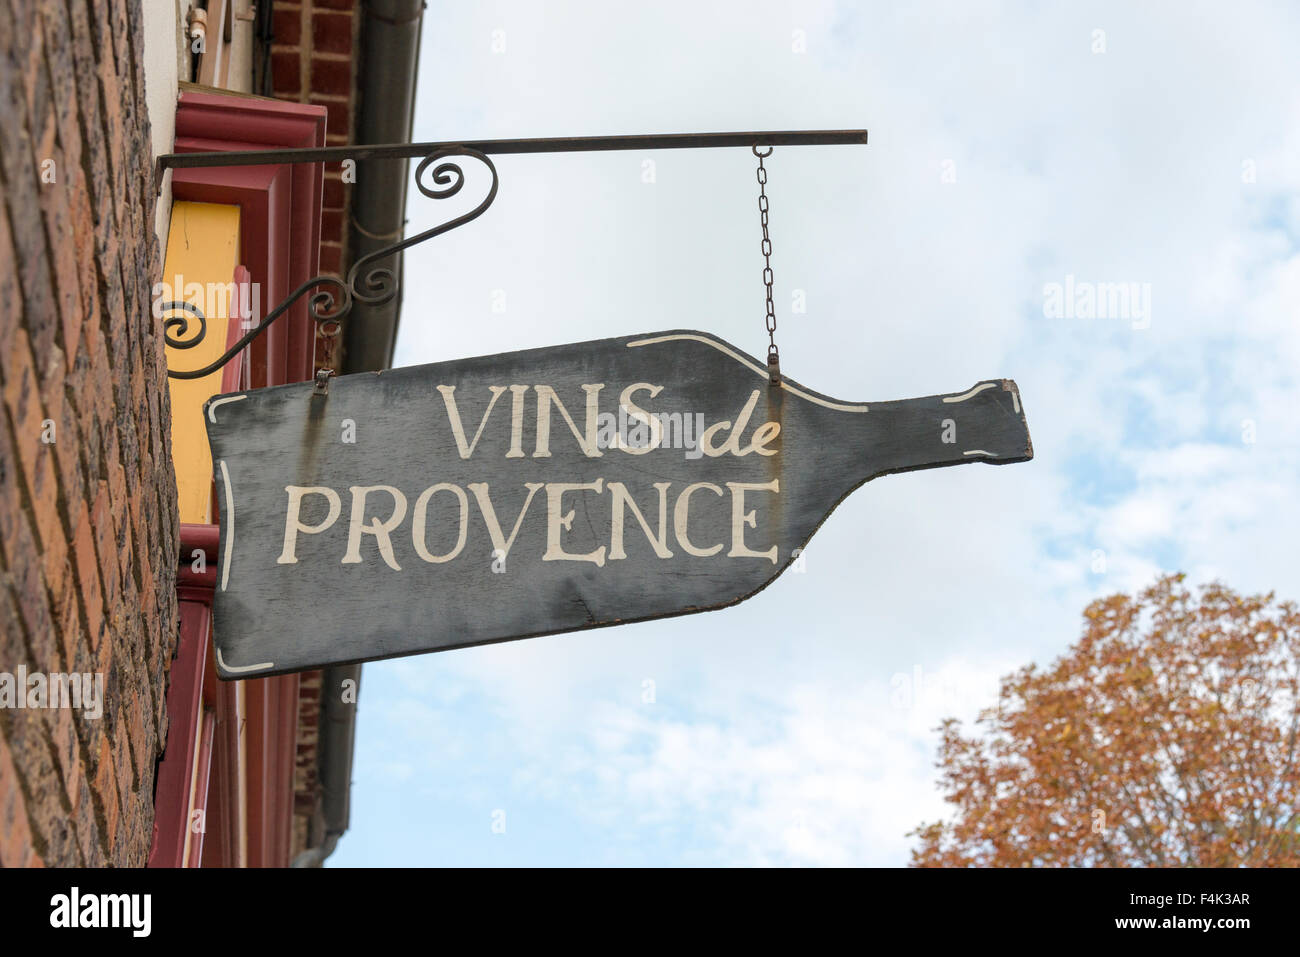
[543,491]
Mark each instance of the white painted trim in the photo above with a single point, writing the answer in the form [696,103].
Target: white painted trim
[229,530]
[966,395]
[240,669]
[748,365]
[212,405]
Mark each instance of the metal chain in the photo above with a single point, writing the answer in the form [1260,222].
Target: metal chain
[328,331]
[773,357]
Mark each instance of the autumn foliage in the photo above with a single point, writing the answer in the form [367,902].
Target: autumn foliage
[1167,736]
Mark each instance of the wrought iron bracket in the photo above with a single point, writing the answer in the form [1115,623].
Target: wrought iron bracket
[369,282]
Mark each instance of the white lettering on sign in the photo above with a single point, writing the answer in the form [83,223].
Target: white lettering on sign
[380,512]
[560,510]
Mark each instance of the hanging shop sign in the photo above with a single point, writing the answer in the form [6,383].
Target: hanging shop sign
[551,490]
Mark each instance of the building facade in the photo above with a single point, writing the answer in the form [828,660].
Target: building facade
[108,528]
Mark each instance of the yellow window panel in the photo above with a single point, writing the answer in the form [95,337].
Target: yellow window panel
[202,252]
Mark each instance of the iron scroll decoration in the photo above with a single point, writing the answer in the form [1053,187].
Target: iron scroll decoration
[334,297]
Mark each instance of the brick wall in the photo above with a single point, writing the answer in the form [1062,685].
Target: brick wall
[313,60]
[88,525]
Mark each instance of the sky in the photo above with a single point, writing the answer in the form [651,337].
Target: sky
[1016,151]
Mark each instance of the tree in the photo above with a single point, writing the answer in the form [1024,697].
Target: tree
[1167,736]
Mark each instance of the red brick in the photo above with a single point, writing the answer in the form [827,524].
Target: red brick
[86,824]
[126,563]
[12,515]
[53,382]
[334,191]
[83,548]
[66,457]
[15,833]
[63,78]
[33,604]
[22,395]
[8,282]
[105,787]
[105,545]
[331,225]
[117,494]
[286,25]
[331,32]
[331,76]
[116,138]
[101,640]
[36,79]
[56,570]
[286,72]
[70,629]
[331,254]
[58,225]
[122,760]
[69,751]
[138,731]
[44,492]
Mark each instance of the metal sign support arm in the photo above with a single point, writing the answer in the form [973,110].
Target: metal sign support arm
[372,282]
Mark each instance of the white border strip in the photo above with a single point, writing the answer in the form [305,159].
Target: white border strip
[229,536]
[212,406]
[240,669]
[748,365]
[966,395]
[991,455]
[230,525]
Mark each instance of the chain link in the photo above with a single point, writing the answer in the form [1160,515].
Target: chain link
[327,332]
[773,357]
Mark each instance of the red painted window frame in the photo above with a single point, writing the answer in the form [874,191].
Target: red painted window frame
[280,212]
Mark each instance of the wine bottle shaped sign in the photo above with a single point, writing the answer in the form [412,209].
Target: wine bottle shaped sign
[550,490]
